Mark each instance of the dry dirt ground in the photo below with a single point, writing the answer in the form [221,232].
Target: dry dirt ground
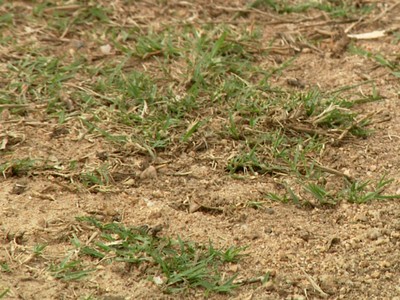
[349,251]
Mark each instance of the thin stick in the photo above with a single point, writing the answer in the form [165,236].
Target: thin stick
[13,105]
[334,172]
[72,7]
[314,284]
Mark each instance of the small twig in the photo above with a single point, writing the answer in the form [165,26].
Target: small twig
[72,7]
[311,131]
[347,30]
[249,280]
[65,32]
[334,172]
[324,32]
[87,90]
[57,174]
[182,173]
[13,105]
[91,238]
[314,284]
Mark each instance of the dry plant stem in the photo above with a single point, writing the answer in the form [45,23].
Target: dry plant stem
[348,29]
[87,90]
[58,174]
[304,129]
[62,8]
[13,105]
[62,36]
[324,32]
[314,284]
[334,172]
[249,281]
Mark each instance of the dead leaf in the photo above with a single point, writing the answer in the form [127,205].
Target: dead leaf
[194,206]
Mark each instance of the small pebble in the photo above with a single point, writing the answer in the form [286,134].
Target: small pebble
[105,49]
[269,286]
[395,235]
[376,274]
[149,173]
[384,264]
[270,211]
[361,217]
[374,234]
[305,235]
[155,215]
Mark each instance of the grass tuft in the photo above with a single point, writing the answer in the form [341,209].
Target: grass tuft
[181,264]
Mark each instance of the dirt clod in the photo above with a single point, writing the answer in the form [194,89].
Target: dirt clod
[149,173]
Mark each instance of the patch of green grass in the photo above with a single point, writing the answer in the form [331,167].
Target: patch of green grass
[4,293]
[181,264]
[6,19]
[286,134]
[232,254]
[4,267]
[246,162]
[354,192]
[337,9]
[396,38]
[63,20]
[155,45]
[17,167]
[380,59]
[362,192]
[70,269]
[277,198]
[255,204]
[192,128]
[320,194]
[219,65]
[98,177]
[164,89]
[38,249]
[88,298]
